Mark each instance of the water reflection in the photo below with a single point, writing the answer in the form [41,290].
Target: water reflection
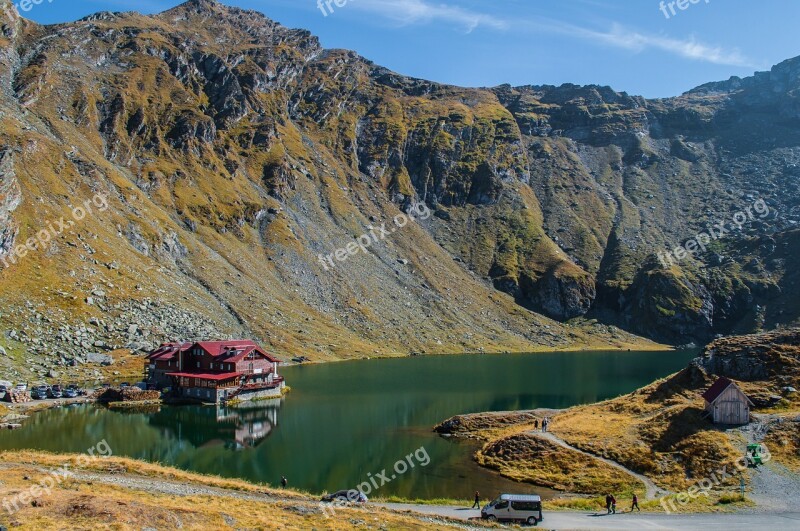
[345,421]
[236,427]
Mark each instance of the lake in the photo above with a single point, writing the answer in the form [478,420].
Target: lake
[344,423]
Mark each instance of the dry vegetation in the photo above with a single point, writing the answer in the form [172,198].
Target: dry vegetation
[82,504]
[531,459]
[783,441]
[658,431]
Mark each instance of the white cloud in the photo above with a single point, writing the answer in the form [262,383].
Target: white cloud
[421,11]
[689,48]
[407,12]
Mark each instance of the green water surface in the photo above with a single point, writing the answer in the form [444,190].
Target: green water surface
[343,423]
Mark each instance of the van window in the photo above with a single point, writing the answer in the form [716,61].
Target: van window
[525,505]
[501,505]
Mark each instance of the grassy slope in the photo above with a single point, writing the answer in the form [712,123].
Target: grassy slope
[81,505]
[657,431]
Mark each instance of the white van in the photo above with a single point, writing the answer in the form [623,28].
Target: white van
[510,507]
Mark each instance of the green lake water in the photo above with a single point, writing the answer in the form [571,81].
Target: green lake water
[343,423]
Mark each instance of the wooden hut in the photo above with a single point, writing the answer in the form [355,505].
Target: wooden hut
[727,404]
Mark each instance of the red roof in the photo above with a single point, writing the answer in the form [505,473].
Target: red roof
[230,351]
[206,376]
[233,351]
[717,388]
[168,351]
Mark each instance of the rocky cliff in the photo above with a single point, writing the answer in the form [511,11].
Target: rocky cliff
[235,154]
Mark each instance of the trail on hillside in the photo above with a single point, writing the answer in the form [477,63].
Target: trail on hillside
[652,491]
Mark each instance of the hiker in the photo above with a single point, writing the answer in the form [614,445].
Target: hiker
[536,424]
[608,503]
[613,504]
[545,423]
[284,481]
[477,500]
[635,503]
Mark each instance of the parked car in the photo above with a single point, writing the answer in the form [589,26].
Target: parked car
[3,389]
[141,385]
[514,507]
[39,392]
[55,392]
[21,387]
[70,393]
[123,385]
[354,496]
[77,389]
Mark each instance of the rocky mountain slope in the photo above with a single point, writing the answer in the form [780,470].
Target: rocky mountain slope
[219,158]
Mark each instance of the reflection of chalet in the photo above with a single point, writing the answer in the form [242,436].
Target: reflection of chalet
[242,426]
[215,371]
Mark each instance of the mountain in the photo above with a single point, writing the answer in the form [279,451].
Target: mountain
[225,159]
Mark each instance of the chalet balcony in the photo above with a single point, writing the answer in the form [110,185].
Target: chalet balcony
[253,386]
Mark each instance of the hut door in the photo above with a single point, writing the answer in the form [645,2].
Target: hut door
[731,411]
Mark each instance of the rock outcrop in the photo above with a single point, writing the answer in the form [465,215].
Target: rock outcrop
[236,154]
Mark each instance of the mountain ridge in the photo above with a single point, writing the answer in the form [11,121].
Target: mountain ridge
[235,151]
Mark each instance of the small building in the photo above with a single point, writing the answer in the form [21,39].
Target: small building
[727,404]
[215,371]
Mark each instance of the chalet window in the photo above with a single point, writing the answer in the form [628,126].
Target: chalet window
[212,366]
[198,364]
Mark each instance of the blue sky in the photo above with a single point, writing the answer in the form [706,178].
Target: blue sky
[631,45]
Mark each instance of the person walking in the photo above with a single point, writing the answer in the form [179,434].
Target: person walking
[536,424]
[613,505]
[635,504]
[545,423]
[608,503]
[284,481]
[477,500]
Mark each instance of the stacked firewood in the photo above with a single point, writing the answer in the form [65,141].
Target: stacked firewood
[126,394]
[134,394]
[18,397]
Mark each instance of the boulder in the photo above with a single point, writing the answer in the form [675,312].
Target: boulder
[100,359]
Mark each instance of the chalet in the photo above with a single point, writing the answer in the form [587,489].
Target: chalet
[215,371]
[727,404]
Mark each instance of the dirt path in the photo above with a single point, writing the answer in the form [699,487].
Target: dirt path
[574,520]
[149,484]
[175,488]
[772,486]
[652,491]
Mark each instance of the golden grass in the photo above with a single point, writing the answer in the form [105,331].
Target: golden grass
[532,459]
[141,468]
[84,505]
[783,442]
[656,431]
